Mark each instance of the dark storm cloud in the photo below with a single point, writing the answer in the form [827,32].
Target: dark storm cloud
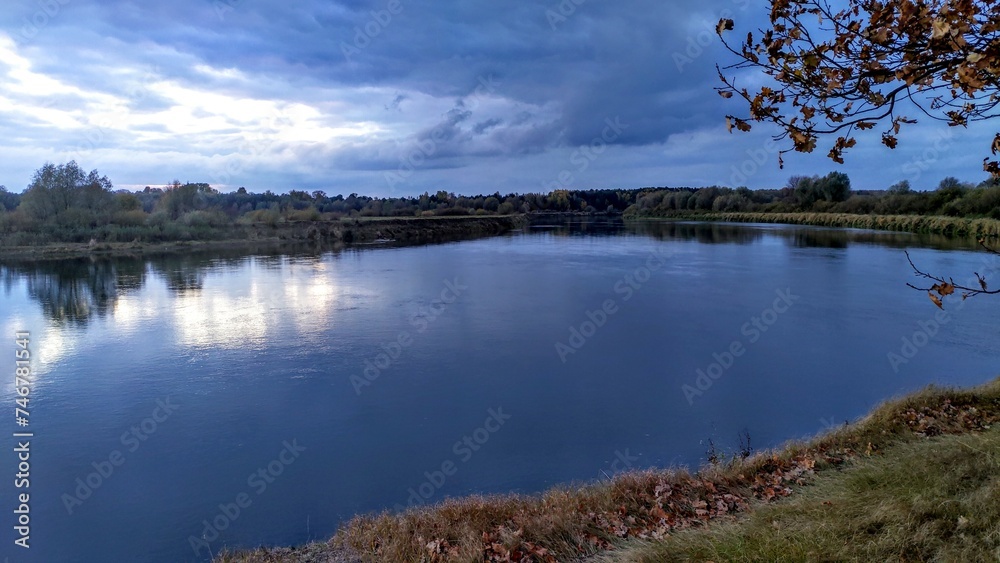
[375,86]
[595,60]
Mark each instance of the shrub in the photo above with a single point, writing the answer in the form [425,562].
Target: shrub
[307,214]
[204,218]
[269,217]
[133,218]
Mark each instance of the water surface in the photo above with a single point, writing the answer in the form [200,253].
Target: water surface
[265,358]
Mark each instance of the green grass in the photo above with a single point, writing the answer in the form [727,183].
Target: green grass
[932,500]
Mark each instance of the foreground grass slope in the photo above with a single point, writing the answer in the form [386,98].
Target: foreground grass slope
[936,500]
[914,480]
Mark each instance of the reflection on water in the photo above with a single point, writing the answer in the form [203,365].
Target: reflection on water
[207,311]
[802,236]
[73,291]
[257,348]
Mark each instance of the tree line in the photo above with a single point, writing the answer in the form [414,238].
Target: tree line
[65,203]
[828,194]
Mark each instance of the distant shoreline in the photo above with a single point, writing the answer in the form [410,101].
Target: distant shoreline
[321,234]
[929,224]
[417,230]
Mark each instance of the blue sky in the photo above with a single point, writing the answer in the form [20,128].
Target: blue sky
[398,97]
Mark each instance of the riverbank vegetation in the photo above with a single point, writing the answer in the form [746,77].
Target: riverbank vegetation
[915,479]
[828,194]
[935,224]
[64,204]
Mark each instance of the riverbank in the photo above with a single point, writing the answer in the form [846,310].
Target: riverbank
[327,234]
[934,445]
[948,226]
[418,230]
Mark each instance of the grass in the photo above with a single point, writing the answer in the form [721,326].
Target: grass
[913,480]
[936,500]
[949,226]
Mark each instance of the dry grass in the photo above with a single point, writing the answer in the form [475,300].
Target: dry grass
[950,226]
[934,500]
[561,524]
[662,507]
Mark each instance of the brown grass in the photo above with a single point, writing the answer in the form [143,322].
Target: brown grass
[949,226]
[572,522]
[933,500]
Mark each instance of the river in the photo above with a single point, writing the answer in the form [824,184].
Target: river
[184,404]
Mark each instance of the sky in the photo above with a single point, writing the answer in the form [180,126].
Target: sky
[399,97]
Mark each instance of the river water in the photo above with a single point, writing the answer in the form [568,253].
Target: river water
[185,404]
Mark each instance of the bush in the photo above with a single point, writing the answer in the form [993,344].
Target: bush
[176,231]
[453,211]
[133,218]
[269,217]
[158,220]
[308,214]
[856,204]
[77,218]
[204,218]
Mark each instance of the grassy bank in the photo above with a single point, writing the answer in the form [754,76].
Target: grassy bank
[929,458]
[935,500]
[275,235]
[948,226]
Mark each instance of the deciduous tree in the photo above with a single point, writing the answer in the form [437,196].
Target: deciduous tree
[837,71]
[54,190]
